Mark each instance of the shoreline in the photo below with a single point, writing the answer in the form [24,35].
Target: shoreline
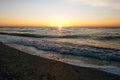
[18,65]
[110,67]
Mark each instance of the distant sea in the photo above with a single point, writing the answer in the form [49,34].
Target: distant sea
[74,45]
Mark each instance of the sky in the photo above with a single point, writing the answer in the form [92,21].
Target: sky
[60,12]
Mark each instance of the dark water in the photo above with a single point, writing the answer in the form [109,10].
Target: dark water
[100,43]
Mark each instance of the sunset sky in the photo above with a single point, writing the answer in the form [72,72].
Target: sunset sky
[62,12]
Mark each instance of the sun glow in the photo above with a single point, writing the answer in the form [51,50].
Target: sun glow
[59,22]
[59,25]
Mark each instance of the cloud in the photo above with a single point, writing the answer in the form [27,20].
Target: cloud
[113,4]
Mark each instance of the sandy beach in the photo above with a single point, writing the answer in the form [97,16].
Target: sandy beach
[17,65]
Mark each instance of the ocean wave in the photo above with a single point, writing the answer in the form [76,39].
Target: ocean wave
[111,37]
[71,49]
[44,36]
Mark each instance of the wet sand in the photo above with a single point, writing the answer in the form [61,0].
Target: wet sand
[17,65]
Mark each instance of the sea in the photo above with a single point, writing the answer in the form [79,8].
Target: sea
[87,47]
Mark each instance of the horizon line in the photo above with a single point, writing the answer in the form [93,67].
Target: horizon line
[69,26]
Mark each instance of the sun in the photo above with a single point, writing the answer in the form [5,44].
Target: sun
[59,22]
[59,25]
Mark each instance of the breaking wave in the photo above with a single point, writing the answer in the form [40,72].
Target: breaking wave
[71,49]
[112,37]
